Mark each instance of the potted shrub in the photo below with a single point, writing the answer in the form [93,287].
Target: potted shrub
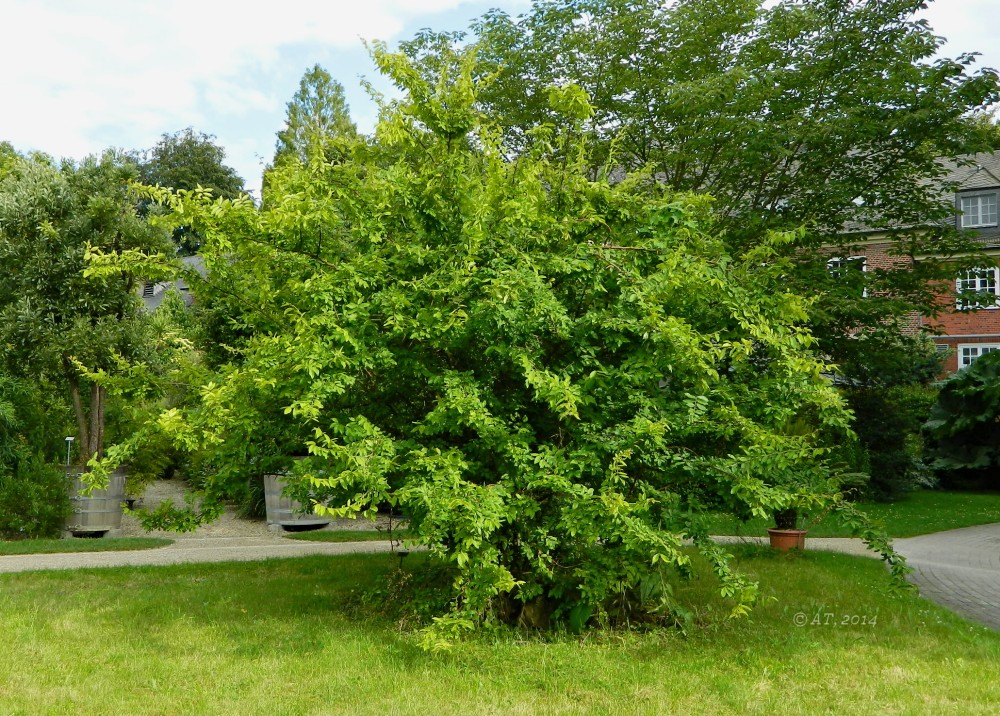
[787,533]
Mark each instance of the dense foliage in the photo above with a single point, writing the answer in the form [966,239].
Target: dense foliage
[56,323]
[188,160]
[33,498]
[34,502]
[964,425]
[828,114]
[888,423]
[551,375]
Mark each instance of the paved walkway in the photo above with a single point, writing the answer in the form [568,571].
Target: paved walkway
[844,545]
[959,569]
[188,550]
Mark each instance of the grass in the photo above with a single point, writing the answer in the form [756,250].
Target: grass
[916,514]
[107,544]
[348,535]
[307,636]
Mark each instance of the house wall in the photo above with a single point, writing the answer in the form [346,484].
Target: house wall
[951,347]
[975,177]
[952,328]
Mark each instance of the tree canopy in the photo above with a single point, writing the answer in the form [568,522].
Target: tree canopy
[551,374]
[964,424]
[188,159]
[54,321]
[317,116]
[824,114]
[803,112]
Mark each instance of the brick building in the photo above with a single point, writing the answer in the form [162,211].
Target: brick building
[968,325]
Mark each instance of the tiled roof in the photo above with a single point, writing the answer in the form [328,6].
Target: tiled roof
[967,172]
[973,171]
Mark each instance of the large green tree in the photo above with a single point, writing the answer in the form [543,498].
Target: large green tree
[54,321]
[828,114]
[551,375]
[964,425]
[187,160]
[317,117]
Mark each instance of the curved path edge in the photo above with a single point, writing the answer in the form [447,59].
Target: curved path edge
[958,569]
[187,551]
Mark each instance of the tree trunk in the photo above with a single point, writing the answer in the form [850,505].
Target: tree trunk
[81,416]
[96,440]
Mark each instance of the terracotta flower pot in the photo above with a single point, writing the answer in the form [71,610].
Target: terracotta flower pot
[784,540]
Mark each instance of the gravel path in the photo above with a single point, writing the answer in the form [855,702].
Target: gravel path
[228,525]
[187,551]
[228,539]
[844,545]
[232,539]
[247,548]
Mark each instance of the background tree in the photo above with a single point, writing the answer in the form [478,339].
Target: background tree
[317,116]
[8,155]
[53,320]
[818,113]
[551,376]
[33,497]
[187,160]
[986,130]
[964,426]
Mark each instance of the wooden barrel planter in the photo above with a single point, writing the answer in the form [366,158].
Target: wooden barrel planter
[284,512]
[99,512]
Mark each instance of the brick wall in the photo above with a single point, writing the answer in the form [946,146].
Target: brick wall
[954,327]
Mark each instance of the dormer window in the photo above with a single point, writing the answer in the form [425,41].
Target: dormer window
[978,209]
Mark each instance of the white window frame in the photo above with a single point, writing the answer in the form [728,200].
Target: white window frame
[987,283]
[974,220]
[836,264]
[967,353]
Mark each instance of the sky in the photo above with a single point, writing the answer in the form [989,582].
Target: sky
[80,76]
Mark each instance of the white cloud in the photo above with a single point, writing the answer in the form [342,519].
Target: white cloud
[81,75]
[76,73]
[968,26]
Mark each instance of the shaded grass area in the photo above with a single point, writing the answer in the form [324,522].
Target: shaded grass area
[918,513]
[309,636]
[56,546]
[349,535]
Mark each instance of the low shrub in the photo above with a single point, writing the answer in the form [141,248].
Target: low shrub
[33,499]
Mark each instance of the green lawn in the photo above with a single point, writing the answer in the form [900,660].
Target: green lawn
[348,535]
[302,636]
[916,514]
[52,546]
